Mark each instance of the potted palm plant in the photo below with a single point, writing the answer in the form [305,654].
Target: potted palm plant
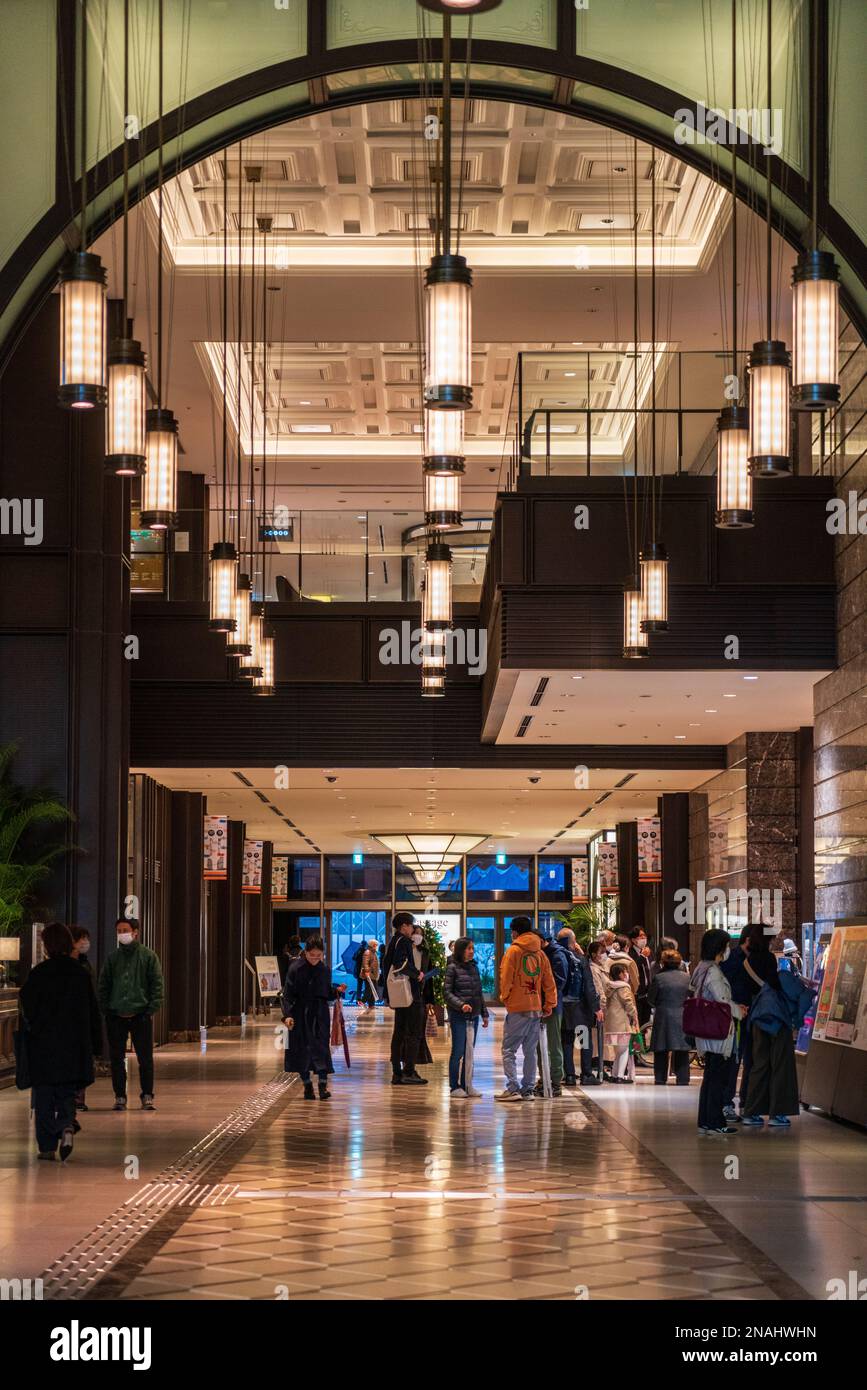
[587,920]
[29,844]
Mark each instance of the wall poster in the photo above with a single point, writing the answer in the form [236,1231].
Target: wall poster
[216,846]
[607,860]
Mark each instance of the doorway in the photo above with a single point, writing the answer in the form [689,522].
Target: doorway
[489,933]
[349,929]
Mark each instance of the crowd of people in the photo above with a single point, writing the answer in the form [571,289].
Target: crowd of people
[573,1017]
[580,1017]
[69,1019]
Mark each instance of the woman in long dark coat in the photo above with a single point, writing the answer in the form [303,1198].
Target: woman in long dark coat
[63,1031]
[306,995]
[668,990]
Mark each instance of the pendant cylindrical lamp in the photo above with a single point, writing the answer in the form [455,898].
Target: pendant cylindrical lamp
[443,468]
[159,493]
[770,445]
[250,666]
[433,684]
[654,588]
[224,570]
[734,484]
[437,594]
[82,332]
[635,643]
[459,6]
[449,382]
[816,331]
[125,442]
[239,643]
[264,684]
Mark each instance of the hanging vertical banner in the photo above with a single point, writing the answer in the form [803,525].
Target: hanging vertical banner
[717,845]
[252,880]
[650,850]
[216,862]
[581,880]
[607,858]
[279,878]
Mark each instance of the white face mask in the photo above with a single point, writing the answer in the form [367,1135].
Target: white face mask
[125,938]
[416,938]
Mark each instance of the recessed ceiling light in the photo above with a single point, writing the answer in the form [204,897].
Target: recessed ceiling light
[695,726]
[728,696]
[750,678]
[577,678]
[680,736]
[710,711]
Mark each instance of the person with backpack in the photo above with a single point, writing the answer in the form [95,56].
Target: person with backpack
[559,962]
[774,1019]
[582,1010]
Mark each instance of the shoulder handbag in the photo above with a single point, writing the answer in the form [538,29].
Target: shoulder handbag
[399,989]
[708,1019]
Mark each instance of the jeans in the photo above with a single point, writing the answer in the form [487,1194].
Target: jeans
[141,1029]
[679,1065]
[458,1024]
[710,1100]
[408,1026]
[54,1108]
[520,1031]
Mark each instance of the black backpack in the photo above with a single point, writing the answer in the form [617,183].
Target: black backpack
[574,991]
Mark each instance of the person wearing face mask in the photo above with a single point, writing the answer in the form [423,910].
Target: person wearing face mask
[130,993]
[406,956]
[640,953]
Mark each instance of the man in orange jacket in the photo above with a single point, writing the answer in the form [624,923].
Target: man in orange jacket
[528,991]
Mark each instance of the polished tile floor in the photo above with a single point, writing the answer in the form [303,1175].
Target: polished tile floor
[399,1193]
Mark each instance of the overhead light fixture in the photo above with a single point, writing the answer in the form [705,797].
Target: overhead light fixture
[442,498]
[127,388]
[448,384]
[433,684]
[250,666]
[224,569]
[159,499]
[635,642]
[437,592]
[816,331]
[654,588]
[240,642]
[264,684]
[82,332]
[159,493]
[734,485]
[769,419]
[459,7]
[429,857]
[770,444]
[125,443]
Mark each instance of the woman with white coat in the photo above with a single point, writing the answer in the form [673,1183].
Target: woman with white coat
[709,982]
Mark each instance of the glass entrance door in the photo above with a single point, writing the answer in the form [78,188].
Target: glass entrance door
[350,930]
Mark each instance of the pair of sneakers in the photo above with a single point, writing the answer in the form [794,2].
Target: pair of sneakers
[147,1103]
[757,1122]
[460,1093]
[514,1095]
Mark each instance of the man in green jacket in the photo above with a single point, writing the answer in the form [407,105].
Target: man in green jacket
[130,992]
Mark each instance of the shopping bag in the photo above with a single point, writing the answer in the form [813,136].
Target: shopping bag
[431,1028]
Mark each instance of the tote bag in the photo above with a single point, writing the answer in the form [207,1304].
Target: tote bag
[708,1019]
[399,989]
